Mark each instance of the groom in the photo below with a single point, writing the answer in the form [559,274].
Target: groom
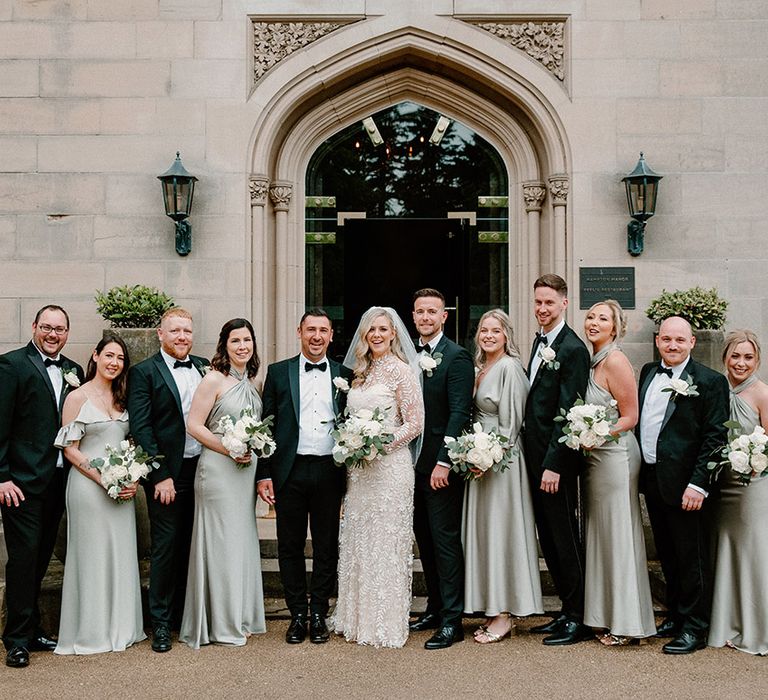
[160,391]
[300,479]
[34,381]
[683,406]
[439,493]
[558,372]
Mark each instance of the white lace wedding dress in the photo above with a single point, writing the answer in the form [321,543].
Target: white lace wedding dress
[376,537]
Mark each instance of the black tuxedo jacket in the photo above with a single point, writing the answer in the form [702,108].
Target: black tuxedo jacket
[447,403]
[281,399]
[552,390]
[30,418]
[155,414]
[692,430]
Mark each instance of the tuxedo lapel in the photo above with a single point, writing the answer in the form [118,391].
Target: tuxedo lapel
[672,404]
[555,346]
[335,370]
[165,373]
[293,385]
[37,361]
[65,387]
[532,355]
[644,390]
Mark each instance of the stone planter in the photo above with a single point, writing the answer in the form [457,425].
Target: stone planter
[708,349]
[141,343]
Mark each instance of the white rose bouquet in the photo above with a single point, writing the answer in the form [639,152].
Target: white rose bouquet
[588,425]
[360,437]
[246,434]
[476,452]
[124,465]
[745,455]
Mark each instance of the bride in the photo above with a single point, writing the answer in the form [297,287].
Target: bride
[376,540]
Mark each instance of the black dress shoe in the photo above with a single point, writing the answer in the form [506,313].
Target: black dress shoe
[318,630]
[161,639]
[570,632]
[445,636]
[17,657]
[297,630]
[550,627]
[425,621]
[686,643]
[668,628]
[41,643]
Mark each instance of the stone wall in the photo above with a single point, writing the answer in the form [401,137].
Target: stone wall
[96,97]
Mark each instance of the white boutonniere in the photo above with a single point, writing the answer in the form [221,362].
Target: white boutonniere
[341,384]
[70,377]
[429,362]
[548,357]
[681,387]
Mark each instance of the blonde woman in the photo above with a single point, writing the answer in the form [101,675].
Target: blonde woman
[376,540]
[740,601]
[501,561]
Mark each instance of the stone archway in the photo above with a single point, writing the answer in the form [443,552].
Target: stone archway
[500,94]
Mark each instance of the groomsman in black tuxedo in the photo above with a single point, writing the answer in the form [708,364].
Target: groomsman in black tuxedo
[300,479]
[558,372]
[160,391]
[683,406]
[33,383]
[439,493]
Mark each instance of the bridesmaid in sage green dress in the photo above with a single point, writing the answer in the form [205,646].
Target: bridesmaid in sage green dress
[740,600]
[501,569]
[224,602]
[617,594]
[101,594]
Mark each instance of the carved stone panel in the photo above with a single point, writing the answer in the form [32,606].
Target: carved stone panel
[259,188]
[558,190]
[542,41]
[280,194]
[533,194]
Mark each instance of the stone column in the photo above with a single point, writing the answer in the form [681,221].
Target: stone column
[533,195]
[280,195]
[261,296]
[558,190]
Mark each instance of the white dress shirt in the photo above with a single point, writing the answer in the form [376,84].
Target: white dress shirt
[315,410]
[654,409]
[56,375]
[550,336]
[432,343]
[187,381]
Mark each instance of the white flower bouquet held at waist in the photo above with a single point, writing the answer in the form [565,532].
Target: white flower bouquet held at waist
[588,425]
[744,455]
[246,434]
[476,452]
[124,465]
[360,437]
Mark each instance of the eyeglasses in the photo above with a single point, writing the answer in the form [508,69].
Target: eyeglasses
[58,330]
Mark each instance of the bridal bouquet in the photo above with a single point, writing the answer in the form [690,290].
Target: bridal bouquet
[360,437]
[246,434]
[474,453]
[588,425]
[124,465]
[745,455]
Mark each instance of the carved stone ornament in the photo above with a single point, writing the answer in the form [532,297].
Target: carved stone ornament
[542,41]
[259,188]
[274,41]
[533,194]
[558,188]
[280,194]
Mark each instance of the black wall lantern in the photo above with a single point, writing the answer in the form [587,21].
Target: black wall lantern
[642,186]
[178,188]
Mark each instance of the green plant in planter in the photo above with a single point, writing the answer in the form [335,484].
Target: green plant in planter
[133,307]
[702,308]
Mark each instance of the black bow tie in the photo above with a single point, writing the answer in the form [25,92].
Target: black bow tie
[308,367]
[49,362]
[660,369]
[187,364]
[542,338]
[425,347]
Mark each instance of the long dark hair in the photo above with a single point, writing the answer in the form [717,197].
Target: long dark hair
[120,382]
[220,360]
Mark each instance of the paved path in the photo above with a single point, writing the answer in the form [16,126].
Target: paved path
[269,668]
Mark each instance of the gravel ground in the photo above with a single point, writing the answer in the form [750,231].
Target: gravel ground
[269,668]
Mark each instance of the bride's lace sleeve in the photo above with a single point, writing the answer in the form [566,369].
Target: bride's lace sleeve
[410,407]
